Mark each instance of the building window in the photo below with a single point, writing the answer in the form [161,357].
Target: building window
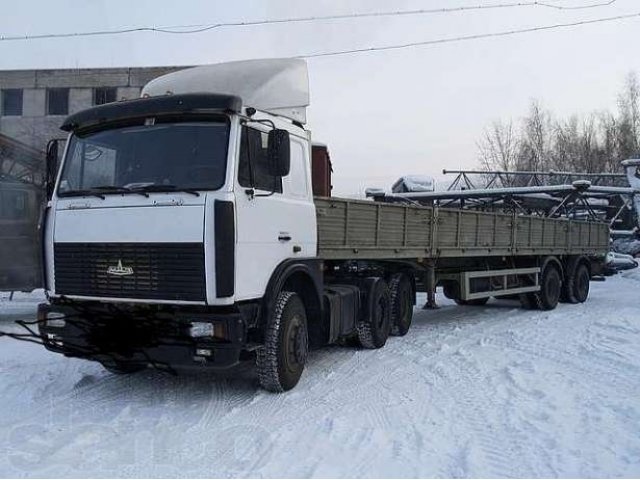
[13,205]
[12,102]
[104,95]
[57,101]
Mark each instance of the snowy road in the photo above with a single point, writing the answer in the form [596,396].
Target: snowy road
[471,391]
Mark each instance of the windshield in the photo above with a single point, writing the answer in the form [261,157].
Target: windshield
[189,156]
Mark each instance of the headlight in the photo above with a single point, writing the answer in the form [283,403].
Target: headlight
[55,320]
[201,329]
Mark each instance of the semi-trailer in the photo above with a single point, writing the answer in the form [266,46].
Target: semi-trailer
[187,229]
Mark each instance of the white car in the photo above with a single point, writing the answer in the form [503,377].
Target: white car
[620,261]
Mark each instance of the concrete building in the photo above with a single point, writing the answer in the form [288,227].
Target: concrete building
[33,103]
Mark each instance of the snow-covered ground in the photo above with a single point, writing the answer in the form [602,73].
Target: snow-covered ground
[471,391]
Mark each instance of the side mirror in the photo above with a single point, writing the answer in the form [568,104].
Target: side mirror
[52,167]
[279,153]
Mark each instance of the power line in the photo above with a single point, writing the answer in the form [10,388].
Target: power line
[83,72]
[191,29]
[576,7]
[470,37]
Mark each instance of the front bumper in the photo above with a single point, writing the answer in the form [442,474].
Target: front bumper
[130,337]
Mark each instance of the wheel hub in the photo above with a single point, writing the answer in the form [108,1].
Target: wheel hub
[300,345]
[296,348]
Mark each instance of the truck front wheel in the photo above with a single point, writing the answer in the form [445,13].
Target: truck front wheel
[280,361]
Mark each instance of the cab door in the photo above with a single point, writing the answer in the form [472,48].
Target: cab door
[275,215]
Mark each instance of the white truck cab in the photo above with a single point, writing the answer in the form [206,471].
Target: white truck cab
[194,196]
[187,170]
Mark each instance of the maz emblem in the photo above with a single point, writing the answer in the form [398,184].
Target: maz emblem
[119,270]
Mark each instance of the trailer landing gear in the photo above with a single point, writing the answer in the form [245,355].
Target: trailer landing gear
[430,283]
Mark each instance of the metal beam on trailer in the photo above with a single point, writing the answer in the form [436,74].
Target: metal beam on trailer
[527,178]
[546,201]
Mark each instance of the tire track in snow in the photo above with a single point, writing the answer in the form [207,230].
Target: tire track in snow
[476,395]
[606,372]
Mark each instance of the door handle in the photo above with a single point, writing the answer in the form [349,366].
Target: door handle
[284,238]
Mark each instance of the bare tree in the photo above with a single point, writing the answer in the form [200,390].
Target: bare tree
[534,151]
[593,143]
[629,116]
[564,149]
[498,147]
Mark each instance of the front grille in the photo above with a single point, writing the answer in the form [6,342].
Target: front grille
[158,271]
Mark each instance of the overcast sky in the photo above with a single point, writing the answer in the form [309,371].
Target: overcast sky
[383,114]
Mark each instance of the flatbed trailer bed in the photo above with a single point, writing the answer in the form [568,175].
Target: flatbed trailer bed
[359,229]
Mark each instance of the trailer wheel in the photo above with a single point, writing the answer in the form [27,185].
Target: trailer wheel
[476,302]
[576,288]
[374,326]
[280,361]
[450,290]
[550,287]
[401,304]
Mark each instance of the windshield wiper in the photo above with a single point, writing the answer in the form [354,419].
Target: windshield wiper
[165,188]
[115,189]
[82,193]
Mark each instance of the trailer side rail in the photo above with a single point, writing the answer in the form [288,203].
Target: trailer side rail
[375,230]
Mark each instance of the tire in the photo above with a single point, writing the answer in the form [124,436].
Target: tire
[374,325]
[550,288]
[477,302]
[450,290]
[577,285]
[401,298]
[118,368]
[566,295]
[281,360]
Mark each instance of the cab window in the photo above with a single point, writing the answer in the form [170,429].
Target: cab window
[253,166]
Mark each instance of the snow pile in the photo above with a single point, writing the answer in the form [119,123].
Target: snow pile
[626,246]
[22,304]
[492,391]
[414,183]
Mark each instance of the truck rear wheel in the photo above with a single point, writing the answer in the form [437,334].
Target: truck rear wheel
[576,287]
[401,304]
[550,287]
[374,326]
[280,361]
